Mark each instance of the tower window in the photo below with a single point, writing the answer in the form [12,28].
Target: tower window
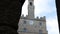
[31,3]
[40,23]
[24,22]
[24,29]
[40,31]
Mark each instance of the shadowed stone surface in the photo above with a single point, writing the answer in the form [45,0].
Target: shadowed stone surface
[10,11]
[58,11]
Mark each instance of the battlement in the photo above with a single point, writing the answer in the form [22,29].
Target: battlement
[37,18]
[24,16]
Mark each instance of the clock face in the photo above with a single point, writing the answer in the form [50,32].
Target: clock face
[31,22]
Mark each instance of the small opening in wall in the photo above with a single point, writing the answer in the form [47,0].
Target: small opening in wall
[24,22]
[24,29]
[40,23]
[40,31]
[31,3]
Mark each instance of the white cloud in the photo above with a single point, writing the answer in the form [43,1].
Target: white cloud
[42,7]
[52,25]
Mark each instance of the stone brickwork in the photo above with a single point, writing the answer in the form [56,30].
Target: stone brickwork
[32,28]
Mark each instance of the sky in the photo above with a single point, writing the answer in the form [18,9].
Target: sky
[45,8]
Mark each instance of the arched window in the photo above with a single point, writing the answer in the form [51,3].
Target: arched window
[31,3]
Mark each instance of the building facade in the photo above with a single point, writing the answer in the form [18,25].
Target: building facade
[31,25]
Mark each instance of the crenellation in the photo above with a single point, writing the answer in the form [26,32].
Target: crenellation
[26,16]
[42,18]
[37,17]
[22,15]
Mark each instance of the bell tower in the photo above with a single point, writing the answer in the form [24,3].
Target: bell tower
[30,9]
[31,25]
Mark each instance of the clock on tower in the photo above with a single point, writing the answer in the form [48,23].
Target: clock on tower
[31,22]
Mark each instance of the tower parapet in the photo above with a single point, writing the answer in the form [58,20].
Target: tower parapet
[41,18]
[37,18]
[22,15]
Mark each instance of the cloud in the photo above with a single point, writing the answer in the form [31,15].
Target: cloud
[44,6]
[52,25]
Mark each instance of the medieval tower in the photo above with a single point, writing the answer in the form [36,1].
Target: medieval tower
[31,25]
